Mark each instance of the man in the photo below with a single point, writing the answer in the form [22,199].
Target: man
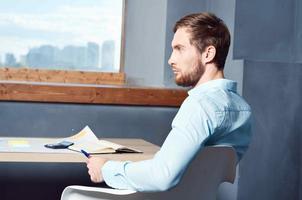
[212,114]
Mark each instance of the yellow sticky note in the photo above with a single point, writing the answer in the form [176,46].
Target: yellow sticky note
[18,143]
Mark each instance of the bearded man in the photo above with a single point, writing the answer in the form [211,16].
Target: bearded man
[212,114]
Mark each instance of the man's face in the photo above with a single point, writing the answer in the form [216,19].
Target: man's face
[185,60]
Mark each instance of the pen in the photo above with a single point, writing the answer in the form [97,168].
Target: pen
[85,153]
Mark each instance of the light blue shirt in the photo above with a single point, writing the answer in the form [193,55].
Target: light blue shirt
[212,114]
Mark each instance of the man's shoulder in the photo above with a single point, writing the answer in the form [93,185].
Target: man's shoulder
[220,100]
[193,106]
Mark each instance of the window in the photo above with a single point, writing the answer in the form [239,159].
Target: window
[61,40]
[48,46]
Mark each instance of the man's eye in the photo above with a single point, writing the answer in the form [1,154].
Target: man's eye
[179,48]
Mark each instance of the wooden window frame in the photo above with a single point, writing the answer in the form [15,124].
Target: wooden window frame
[90,94]
[61,76]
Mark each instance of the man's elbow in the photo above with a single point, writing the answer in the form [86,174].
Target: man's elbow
[167,183]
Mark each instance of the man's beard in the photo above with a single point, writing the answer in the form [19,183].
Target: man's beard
[192,77]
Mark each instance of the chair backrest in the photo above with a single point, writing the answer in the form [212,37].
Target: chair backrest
[212,166]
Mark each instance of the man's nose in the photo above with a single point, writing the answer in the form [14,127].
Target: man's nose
[171,61]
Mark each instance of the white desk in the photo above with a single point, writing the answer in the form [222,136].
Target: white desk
[36,152]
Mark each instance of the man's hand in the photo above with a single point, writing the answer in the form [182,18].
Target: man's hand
[94,165]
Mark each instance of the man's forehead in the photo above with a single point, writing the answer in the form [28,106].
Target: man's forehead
[181,37]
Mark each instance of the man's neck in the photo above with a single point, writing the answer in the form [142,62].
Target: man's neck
[211,73]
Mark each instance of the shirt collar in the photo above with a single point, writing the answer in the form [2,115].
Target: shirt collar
[217,83]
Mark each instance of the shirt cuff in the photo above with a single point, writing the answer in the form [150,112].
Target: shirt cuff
[113,173]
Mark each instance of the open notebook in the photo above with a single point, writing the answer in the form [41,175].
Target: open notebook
[87,141]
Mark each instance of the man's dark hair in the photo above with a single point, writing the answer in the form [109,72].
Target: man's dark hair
[206,29]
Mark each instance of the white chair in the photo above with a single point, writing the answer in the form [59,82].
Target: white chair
[213,165]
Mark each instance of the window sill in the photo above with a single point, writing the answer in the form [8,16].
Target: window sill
[90,94]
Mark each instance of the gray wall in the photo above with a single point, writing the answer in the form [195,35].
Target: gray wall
[271,167]
[271,30]
[145,42]
[61,120]
[268,37]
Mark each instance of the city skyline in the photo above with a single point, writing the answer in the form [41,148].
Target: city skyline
[91,57]
[58,23]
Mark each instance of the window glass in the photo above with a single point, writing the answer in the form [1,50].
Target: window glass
[61,34]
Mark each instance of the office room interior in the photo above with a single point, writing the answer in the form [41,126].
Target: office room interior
[265,58]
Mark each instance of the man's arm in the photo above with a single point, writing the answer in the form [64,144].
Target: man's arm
[189,131]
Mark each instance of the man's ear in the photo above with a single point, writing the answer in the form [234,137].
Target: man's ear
[209,54]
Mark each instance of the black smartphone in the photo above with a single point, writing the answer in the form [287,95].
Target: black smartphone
[61,145]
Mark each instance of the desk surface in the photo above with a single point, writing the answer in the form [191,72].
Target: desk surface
[51,155]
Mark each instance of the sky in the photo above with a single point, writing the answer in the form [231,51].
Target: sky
[31,23]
